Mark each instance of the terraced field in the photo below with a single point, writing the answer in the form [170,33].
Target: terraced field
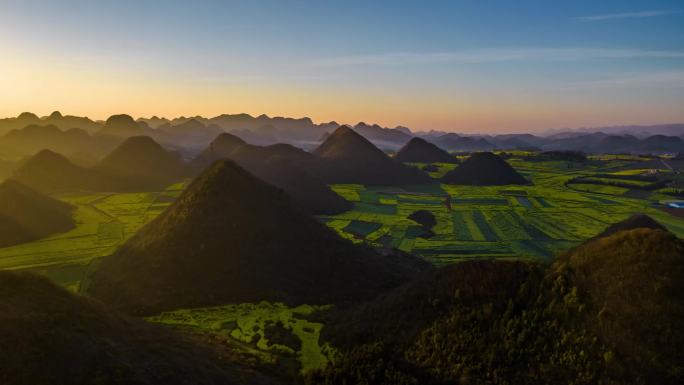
[533,221]
[103,222]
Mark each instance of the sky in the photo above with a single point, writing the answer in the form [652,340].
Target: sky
[464,66]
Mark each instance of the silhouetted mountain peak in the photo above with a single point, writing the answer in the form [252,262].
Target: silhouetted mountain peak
[484,169]
[47,157]
[55,115]
[421,151]
[192,124]
[141,159]
[354,159]
[121,120]
[344,142]
[27,116]
[636,221]
[232,238]
[121,125]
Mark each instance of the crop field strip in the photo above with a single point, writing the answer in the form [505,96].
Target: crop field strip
[522,221]
[500,221]
[103,222]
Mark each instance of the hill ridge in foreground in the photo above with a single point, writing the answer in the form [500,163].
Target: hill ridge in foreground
[232,238]
[57,337]
[351,158]
[607,312]
[27,215]
[419,150]
[484,169]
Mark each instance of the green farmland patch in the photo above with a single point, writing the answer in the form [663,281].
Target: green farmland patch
[480,201]
[536,221]
[248,328]
[103,222]
[362,228]
[378,208]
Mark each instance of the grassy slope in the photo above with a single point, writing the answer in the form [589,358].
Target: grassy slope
[55,337]
[608,312]
[103,221]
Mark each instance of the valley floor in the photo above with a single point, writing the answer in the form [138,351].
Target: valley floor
[535,221]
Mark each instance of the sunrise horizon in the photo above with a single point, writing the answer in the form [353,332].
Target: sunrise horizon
[319,192]
[449,66]
[541,130]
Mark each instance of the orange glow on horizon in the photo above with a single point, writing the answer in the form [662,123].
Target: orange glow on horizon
[28,84]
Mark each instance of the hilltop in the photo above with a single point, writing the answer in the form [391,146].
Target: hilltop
[122,125]
[143,164]
[419,150]
[33,138]
[138,164]
[60,338]
[636,221]
[191,134]
[220,148]
[281,165]
[386,138]
[232,238]
[48,172]
[606,312]
[351,158]
[484,169]
[63,122]
[26,214]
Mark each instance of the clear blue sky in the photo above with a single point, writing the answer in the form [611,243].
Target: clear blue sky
[455,65]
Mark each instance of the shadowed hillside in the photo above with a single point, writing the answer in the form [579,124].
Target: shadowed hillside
[50,336]
[191,134]
[6,169]
[26,215]
[50,172]
[33,138]
[143,164]
[281,165]
[221,147]
[63,122]
[455,142]
[306,190]
[122,126]
[233,238]
[484,169]
[421,151]
[351,158]
[138,164]
[636,221]
[607,312]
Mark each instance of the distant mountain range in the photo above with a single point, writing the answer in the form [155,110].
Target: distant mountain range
[137,164]
[87,141]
